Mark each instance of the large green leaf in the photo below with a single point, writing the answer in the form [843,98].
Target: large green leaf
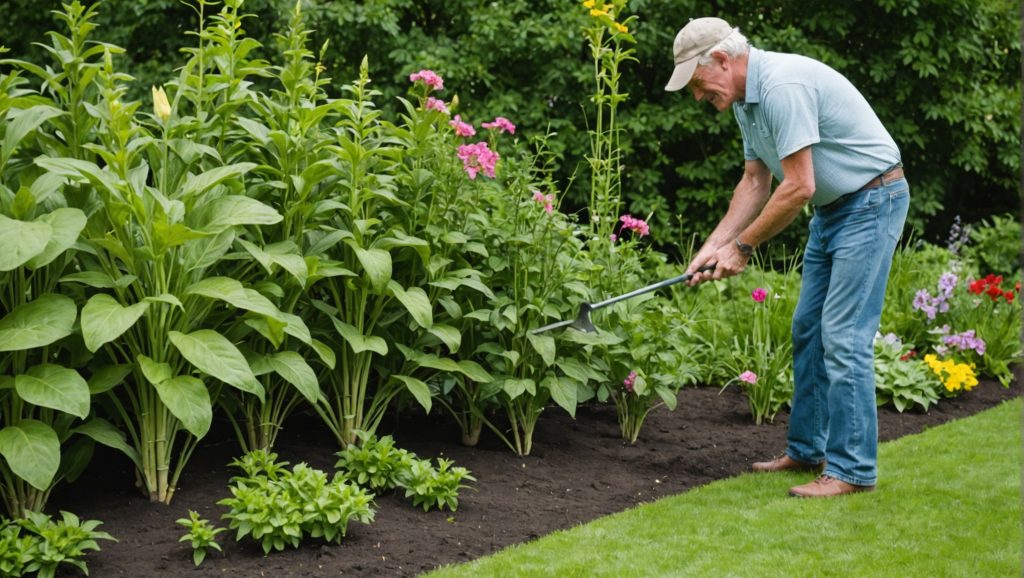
[450,336]
[20,123]
[81,170]
[415,301]
[233,292]
[67,224]
[21,241]
[357,341]
[418,389]
[377,265]
[107,434]
[55,387]
[188,399]
[32,451]
[294,369]
[37,323]
[201,183]
[213,354]
[563,391]
[235,210]
[104,319]
[544,345]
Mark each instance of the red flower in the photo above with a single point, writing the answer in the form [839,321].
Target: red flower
[977,287]
[1009,296]
[908,355]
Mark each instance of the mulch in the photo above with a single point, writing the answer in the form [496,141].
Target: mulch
[579,470]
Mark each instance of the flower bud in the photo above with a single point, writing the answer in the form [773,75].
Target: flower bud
[161,107]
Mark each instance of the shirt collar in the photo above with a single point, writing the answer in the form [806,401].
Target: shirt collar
[753,95]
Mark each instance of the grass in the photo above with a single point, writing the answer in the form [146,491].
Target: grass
[948,504]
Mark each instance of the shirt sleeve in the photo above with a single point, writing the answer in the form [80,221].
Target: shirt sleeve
[792,113]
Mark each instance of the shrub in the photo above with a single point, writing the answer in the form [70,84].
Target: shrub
[201,534]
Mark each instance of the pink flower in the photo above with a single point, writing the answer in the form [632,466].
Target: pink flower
[502,124]
[638,226]
[462,128]
[478,157]
[629,381]
[759,295]
[428,77]
[748,376]
[436,104]
[547,200]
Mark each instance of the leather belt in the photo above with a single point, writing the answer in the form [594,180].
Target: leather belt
[893,174]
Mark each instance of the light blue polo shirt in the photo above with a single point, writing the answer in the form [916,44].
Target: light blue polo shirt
[792,102]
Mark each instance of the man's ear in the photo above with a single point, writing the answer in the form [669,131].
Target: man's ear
[721,58]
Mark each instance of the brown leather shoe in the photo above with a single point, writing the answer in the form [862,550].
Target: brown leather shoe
[785,463]
[826,487]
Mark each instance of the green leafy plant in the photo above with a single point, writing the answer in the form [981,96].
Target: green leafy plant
[65,541]
[375,463]
[16,550]
[995,246]
[901,376]
[279,507]
[759,357]
[202,535]
[48,429]
[432,487]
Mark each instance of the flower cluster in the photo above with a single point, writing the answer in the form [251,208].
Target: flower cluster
[954,376]
[428,77]
[939,303]
[502,124]
[462,128]
[547,200]
[990,285]
[964,341]
[478,157]
[759,295]
[638,226]
[629,381]
[748,377]
[604,12]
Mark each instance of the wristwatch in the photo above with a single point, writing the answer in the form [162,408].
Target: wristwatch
[744,248]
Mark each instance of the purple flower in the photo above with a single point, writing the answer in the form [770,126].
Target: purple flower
[759,295]
[964,341]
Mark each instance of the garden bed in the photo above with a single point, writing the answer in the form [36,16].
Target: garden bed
[579,470]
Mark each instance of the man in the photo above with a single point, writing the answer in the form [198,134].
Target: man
[805,124]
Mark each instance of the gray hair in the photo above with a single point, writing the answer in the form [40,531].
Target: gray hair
[735,44]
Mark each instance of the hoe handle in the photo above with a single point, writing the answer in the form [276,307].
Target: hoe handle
[680,279]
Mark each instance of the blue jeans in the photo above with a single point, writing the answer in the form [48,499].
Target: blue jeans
[845,270]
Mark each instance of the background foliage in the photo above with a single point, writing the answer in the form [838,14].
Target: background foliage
[943,75]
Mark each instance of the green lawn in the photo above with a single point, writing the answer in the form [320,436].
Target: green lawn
[948,504]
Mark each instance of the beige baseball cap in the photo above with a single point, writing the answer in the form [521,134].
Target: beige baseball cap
[694,39]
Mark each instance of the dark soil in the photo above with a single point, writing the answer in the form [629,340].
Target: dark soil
[580,469]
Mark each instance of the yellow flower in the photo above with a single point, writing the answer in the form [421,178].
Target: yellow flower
[161,107]
[596,13]
[621,28]
[588,4]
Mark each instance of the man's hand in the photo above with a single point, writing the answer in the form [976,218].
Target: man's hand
[727,260]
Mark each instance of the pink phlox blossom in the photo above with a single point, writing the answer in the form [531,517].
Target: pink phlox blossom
[436,104]
[478,157]
[748,377]
[759,295]
[428,77]
[629,381]
[613,237]
[462,128]
[638,226]
[502,124]
[547,200]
